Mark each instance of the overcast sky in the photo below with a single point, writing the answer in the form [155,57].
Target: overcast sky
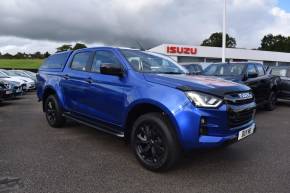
[32,25]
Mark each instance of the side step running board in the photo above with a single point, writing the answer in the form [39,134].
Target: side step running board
[109,131]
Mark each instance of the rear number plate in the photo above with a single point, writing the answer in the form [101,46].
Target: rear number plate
[246,132]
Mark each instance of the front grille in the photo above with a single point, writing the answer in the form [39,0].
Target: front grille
[240,102]
[234,99]
[240,118]
[240,108]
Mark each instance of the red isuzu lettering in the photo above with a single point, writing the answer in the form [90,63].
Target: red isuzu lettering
[181,50]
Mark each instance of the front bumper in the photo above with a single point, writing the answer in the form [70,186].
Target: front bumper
[219,127]
[214,141]
[17,91]
[30,86]
[8,93]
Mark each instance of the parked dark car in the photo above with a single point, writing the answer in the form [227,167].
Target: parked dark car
[265,86]
[6,89]
[194,69]
[284,74]
[2,91]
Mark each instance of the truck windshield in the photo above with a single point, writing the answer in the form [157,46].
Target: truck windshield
[152,63]
[226,69]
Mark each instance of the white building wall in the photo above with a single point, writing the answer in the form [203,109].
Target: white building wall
[231,53]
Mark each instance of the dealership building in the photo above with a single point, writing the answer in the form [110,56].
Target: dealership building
[185,54]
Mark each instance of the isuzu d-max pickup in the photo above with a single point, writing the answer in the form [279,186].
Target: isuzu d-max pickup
[147,98]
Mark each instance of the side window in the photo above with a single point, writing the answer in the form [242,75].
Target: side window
[288,73]
[251,69]
[211,70]
[261,70]
[56,61]
[80,61]
[104,57]
[198,68]
[279,72]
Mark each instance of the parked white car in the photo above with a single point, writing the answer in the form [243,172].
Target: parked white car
[25,73]
[28,83]
[16,86]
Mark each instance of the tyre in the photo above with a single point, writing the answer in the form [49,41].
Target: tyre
[53,112]
[272,101]
[154,142]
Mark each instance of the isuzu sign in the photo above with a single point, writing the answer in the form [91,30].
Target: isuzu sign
[181,50]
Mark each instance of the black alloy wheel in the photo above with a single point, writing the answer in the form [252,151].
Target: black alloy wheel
[154,142]
[150,145]
[53,112]
[272,101]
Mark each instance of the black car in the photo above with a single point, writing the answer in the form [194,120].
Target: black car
[2,91]
[265,86]
[284,74]
[194,69]
[6,89]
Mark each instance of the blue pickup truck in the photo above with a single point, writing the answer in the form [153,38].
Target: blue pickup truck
[147,98]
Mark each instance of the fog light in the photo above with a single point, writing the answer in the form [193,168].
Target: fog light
[203,128]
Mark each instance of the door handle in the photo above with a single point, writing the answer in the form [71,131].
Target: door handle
[89,80]
[66,76]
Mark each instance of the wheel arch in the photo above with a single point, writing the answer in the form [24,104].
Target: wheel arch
[49,90]
[142,107]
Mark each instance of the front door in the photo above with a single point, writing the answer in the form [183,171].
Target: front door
[106,97]
[253,82]
[264,80]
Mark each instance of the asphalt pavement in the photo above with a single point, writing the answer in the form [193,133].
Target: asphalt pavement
[36,158]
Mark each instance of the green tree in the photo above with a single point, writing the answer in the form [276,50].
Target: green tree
[64,47]
[276,43]
[215,40]
[46,54]
[7,56]
[37,55]
[19,55]
[79,46]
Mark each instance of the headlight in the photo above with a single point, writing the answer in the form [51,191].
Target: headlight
[203,100]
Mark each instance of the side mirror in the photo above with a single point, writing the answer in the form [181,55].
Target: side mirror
[111,69]
[252,75]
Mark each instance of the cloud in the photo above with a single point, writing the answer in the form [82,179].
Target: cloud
[13,45]
[124,22]
[281,24]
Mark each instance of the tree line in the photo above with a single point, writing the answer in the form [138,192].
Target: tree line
[39,55]
[270,42]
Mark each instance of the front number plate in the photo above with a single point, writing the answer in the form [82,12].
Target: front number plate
[8,92]
[246,132]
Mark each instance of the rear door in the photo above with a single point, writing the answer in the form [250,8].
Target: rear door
[75,82]
[254,82]
[284,74]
